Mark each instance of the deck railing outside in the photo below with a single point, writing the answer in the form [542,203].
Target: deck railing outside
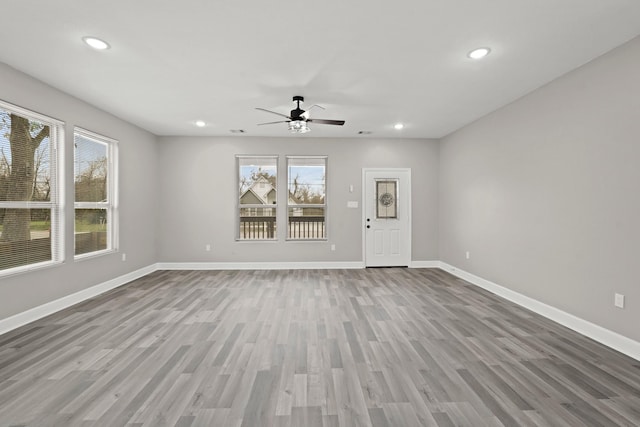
[257,227]
[306,227]
[299,227]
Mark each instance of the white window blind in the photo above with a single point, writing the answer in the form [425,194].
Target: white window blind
[95,196]
[31,234]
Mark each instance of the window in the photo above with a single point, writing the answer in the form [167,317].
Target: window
[30,202]
[95,225]
[257,197]
[306,206]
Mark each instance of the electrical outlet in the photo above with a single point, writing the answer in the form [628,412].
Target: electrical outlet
[333,247]
[207,247]
[619,300]
[467,255]
[124,257]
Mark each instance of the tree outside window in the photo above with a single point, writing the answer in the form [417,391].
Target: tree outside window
[29,211]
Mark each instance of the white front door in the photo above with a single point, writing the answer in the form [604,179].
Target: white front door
[387,217]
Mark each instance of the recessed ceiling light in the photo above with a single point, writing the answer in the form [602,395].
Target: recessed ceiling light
[479,53]
[398,126]
[200,123]
[96,43]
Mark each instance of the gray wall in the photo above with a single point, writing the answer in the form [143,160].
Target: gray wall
[200,189]
[545,193]
[138,196]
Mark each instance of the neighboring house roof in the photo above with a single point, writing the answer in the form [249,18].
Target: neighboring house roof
[262,187]
[293,200]
[262,192]
[251,198]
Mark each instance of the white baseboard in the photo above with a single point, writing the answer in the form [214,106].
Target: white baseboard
[604,336]
[279,265]
[259,265]
[44,310]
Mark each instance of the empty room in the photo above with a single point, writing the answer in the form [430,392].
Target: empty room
[410,213]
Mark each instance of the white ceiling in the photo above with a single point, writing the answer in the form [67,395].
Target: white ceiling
[370,62]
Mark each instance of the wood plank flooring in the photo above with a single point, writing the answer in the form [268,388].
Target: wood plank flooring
[316,348]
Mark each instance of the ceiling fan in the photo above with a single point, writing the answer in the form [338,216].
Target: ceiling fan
[298,118]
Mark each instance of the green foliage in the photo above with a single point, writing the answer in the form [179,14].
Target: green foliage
[82,227]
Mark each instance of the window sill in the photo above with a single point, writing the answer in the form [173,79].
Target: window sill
[94,254]
[15,271]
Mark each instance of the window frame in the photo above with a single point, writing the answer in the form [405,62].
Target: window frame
[325,158]
[111,205]
[56,186]
[240,206]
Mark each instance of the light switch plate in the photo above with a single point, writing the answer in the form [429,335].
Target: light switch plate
[619,300]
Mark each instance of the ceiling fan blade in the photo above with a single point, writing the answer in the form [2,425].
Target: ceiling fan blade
[272,123]
[326,122]
[273,112]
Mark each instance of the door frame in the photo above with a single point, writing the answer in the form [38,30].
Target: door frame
[364,209]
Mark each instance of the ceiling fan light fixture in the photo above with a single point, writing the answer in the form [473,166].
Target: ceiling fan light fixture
[298,126]
[298,118]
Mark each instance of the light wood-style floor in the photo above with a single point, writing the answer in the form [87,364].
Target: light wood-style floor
[373,347]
